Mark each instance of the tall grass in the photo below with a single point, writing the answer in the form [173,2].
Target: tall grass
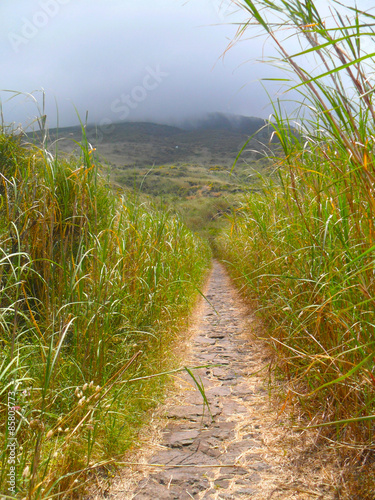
[94,288]
[306,245]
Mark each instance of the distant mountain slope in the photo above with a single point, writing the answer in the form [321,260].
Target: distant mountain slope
[210,140]
[137,131]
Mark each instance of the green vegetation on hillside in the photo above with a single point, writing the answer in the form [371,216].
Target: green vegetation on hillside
[188,170]
[95,288]
[212,142]
[305,246]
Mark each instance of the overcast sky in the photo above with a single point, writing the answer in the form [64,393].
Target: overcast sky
[156,60]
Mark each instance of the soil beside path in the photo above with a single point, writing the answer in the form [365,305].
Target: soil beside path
[242,449]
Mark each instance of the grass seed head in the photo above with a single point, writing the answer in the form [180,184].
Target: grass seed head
[26,472]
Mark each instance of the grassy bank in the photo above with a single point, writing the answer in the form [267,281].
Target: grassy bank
[94,290]
[305,245]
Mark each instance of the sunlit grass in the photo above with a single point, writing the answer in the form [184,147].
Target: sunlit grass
[94,289]
[305,246]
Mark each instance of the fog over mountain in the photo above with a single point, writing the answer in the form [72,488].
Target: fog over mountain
[122,60]
[223,121]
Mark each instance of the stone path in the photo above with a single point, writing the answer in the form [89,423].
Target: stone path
[224,453]
[197,437]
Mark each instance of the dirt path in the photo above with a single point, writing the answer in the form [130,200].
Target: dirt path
[243,449]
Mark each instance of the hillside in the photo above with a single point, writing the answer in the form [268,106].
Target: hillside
[215,139]
[192,160]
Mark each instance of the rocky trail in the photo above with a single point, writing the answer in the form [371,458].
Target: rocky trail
[239,448]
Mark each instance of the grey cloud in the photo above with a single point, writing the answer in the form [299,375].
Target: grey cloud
[95,54]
